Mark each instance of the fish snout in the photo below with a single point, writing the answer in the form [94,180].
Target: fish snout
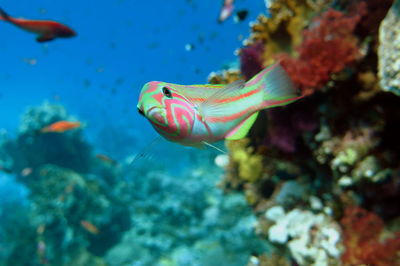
[140,111]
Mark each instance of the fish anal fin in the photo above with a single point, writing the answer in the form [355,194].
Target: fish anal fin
[243,128]
[44,38]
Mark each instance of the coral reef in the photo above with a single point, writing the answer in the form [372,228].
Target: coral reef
[98,211]
[334,148]
[311,238]
[389,50]
[362,239]
[328,46]
[283,30]
[195,225]
[251,60]
[70,212]
[33,149]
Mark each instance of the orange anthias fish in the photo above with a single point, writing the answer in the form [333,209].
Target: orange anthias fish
[46,30]
[106,159]
[61,126]
[91,228]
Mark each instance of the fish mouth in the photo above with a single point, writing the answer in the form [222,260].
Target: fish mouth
[152,110]
[140,111]
[156,114]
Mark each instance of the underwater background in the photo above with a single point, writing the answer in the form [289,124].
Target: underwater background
[316,182]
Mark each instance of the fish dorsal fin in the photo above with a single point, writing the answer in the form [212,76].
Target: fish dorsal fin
[4,15]
[218,103]
[243,128]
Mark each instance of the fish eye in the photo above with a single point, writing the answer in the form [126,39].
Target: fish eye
[167,92]
[140,111]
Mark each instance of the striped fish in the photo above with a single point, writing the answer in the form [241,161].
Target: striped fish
[194,115]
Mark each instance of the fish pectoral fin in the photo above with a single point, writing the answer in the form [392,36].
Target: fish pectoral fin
[241,130]
[219,103]
[212,146]
[45,38]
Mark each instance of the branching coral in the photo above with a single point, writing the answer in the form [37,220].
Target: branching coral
[362,240]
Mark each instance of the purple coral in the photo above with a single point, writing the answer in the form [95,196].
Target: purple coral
[251,61]
[286,126]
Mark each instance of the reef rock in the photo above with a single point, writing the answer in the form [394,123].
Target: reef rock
[389,50]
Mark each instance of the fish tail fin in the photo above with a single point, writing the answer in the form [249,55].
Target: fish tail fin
[4,15]
[277,86]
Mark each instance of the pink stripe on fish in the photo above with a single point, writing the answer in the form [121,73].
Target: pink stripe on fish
[272,102]
[230,99]
[219,119]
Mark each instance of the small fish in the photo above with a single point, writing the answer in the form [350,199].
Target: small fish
[26,171]
[30,61]
[106,159]
[226,10]
[241,15]
[197,115]
[46,30]
[91,228]
[189,47]
[40,229]
[61,126]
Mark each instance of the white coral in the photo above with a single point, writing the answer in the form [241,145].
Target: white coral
[312,238]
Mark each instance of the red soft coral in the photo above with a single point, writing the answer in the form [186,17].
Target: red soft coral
[328,46]
[362,231]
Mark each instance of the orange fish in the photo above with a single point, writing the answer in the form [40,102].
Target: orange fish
[106,159]
[61,126]
[226,10]
[88,226]
[46,30]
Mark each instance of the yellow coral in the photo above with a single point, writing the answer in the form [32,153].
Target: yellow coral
[225,77]
[250,165]
[283,30]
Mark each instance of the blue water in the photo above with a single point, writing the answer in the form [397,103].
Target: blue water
[120,46]
[97,77]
